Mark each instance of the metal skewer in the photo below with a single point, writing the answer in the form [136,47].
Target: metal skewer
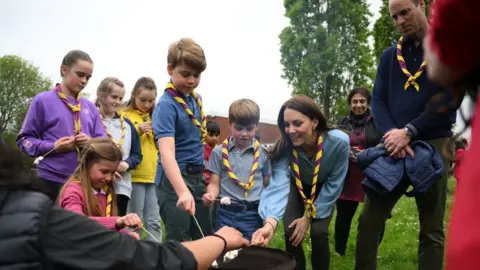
[145,230]
[198,225]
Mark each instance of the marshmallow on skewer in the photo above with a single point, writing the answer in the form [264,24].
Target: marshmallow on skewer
[231,255]
[37,160]
[225,201]
[227,257]
[40,158]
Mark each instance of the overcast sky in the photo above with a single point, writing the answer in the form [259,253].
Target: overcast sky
[129,39]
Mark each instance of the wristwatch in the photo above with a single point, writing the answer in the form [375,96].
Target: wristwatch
[408,132]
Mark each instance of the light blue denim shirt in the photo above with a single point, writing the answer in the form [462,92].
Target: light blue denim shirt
[333,169]
[241,164]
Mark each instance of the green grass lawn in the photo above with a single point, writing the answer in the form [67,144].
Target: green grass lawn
[398,250]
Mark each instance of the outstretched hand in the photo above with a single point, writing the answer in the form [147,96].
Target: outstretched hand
[233,237]
[262,236]
[186,202]
[130,220]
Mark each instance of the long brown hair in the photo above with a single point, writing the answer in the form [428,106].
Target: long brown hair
[147,84]
[95,150]
[304,105]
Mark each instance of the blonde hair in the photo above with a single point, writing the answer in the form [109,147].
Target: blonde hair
[145,83]
[244,112]
[188,52]
[104,88]
[95,150]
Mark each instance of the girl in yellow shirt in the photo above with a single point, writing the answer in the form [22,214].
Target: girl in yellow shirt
[143,200]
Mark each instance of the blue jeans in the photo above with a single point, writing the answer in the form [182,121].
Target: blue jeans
[246,221]
[143,202]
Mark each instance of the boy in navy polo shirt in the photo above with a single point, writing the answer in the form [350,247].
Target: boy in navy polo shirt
[179,125]
[239,167]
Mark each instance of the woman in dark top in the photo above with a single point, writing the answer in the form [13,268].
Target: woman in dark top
[36,234]
[363,134]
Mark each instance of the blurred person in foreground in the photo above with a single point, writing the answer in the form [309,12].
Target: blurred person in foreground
[453,60]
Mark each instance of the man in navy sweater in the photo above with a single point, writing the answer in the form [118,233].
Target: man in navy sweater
[401,93]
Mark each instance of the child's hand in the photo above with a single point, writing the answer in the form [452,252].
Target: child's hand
[186,202]
[122,167]
[145,127]
[65,144]
[81,139]
[262,236]
[118,176]
[129,220]
[208,199]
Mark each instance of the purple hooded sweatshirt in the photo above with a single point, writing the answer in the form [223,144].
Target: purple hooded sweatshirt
[49,119]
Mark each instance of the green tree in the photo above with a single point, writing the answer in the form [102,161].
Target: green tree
[385,34]
[325,51]
[20,81]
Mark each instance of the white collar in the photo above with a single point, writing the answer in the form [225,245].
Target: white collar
[102,191]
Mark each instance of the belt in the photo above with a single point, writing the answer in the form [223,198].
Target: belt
[241,205]
[194,169]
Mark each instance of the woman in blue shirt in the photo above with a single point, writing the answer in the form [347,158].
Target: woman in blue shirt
[310,162]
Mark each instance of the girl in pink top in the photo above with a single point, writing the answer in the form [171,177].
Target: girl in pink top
[90,190]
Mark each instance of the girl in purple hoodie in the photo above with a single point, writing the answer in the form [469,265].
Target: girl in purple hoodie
[59,122]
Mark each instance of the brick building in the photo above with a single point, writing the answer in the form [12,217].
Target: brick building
[268,129]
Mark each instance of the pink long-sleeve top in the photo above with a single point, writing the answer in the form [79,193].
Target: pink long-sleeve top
[73,200]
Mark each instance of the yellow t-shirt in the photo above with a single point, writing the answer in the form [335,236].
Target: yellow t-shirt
[145,172]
